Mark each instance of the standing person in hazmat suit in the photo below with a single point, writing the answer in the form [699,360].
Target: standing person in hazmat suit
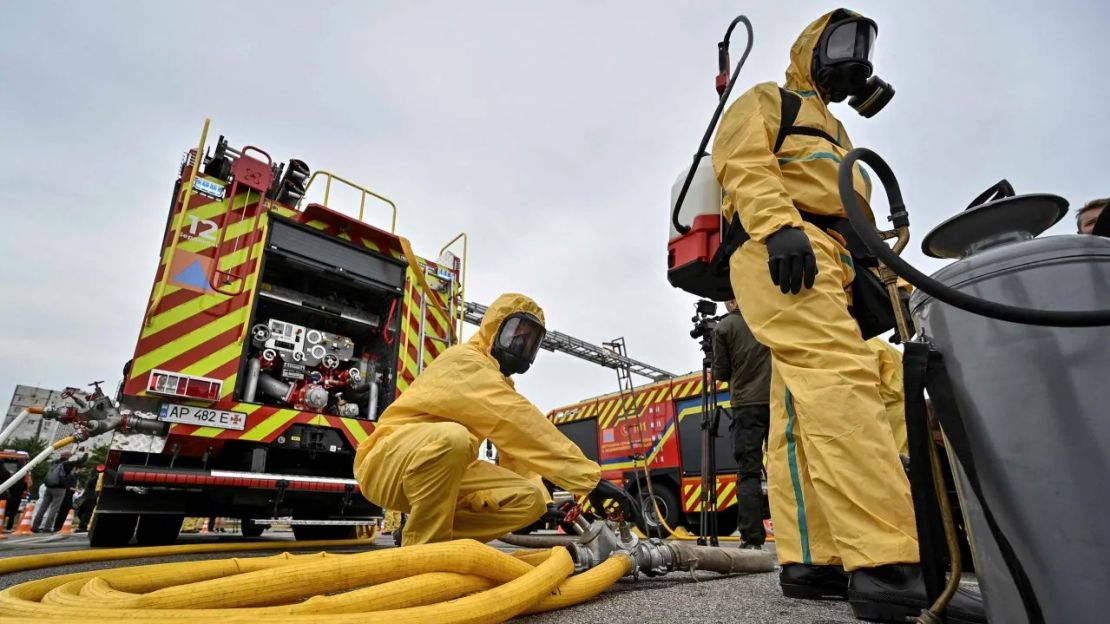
[422,458]
[844,522]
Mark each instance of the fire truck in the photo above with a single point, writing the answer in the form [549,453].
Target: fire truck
[659,423]
[275,332]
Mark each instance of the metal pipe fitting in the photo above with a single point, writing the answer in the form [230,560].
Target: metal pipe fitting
[655,557]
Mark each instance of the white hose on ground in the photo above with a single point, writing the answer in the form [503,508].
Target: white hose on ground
[18,420]
[38,459]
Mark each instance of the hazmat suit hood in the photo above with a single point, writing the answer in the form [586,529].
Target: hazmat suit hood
[499,310]
[799,75]
[464,385]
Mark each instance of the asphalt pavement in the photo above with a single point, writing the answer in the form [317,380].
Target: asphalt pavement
[704,597]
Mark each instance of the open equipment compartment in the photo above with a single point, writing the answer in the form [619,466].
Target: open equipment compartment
[322,326]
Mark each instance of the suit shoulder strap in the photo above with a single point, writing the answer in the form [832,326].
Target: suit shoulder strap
[791,105]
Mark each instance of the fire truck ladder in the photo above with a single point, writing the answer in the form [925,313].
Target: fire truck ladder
[558,341]
[255,176]
[628,400]
[452,291]
[632,420]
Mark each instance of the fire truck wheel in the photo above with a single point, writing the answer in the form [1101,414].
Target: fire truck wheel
[111,529]
[667,501]
[158,529]
[304,532]
[249,529]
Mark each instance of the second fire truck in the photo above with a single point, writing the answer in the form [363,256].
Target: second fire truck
[660,423]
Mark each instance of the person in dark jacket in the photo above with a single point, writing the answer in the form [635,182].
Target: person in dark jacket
[60,482]
[746,365]
[13,496]
[86,502]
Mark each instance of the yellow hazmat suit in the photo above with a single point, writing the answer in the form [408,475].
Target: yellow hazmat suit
[837,489]
[892,389]
[423,457]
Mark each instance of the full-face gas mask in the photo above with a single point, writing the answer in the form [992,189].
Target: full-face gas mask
[517,342]
[842,65]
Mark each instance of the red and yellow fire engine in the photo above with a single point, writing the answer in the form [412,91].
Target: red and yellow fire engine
[660,422]
[274,335]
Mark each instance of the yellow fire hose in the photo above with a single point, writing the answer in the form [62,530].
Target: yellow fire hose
[454,582]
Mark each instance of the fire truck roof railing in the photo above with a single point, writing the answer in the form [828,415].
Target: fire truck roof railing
[363,192]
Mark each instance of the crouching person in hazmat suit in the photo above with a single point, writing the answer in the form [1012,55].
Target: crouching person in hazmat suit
[422,458]
[844,521]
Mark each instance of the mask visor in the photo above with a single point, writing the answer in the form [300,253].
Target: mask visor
[521,336]
[852,39]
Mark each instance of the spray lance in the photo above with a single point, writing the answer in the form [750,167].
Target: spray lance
[695,261]
[1013,384]
[91,413]
[723,84]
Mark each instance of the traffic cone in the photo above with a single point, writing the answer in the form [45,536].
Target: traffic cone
[3,519]
[67,526]
[25,520]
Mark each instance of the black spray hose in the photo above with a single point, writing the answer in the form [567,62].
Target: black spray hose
[722,63]
[899,217]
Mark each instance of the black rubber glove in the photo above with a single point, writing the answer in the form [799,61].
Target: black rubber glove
[628,504]
[553,515]
[791,260]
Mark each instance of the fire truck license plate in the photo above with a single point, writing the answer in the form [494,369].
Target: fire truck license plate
[202,416]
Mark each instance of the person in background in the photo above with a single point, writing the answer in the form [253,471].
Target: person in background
[13,496]
[746,365]
[74,479]
[1089,214]
[892,390]
[86,501]
[59,481]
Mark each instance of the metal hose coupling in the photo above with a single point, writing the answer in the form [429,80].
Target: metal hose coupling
[94,413]
[655,557]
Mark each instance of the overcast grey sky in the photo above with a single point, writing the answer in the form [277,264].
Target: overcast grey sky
[551,132]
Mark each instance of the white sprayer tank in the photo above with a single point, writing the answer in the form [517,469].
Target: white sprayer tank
[703,198]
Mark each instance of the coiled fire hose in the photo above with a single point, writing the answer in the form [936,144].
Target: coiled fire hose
[454,582]
[462,581]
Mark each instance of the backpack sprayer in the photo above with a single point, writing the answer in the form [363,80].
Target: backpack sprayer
[696,262]
[1014,383]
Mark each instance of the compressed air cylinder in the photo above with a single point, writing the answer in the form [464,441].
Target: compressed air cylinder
[1033,402]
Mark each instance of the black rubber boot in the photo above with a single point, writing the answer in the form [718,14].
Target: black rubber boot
[892,593]
[813,582]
